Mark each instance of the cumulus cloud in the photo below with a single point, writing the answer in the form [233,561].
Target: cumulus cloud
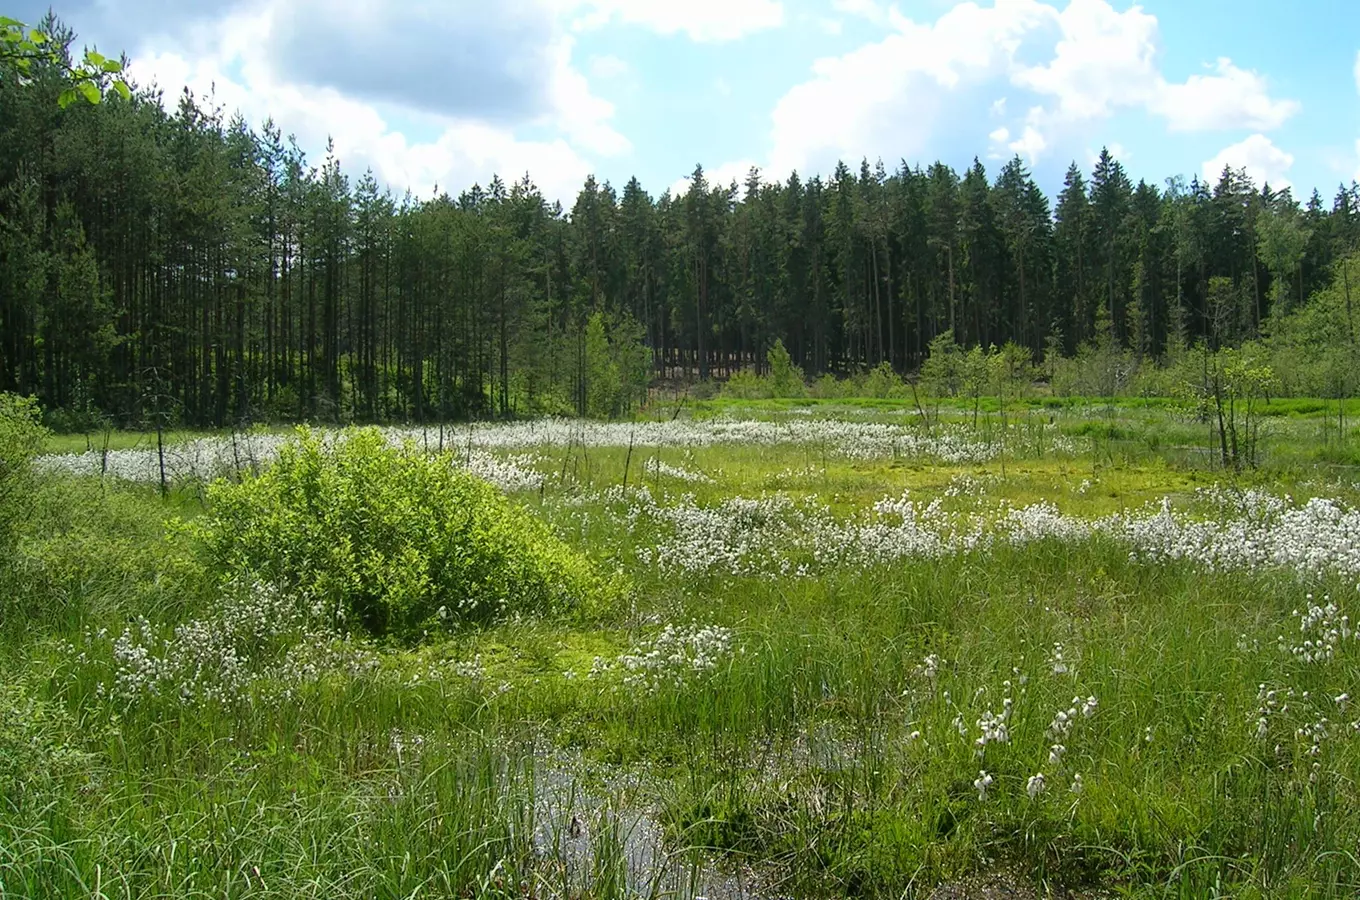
[910,91]
[1031,144]
[1258,155]
[889,97]
[233,58]
[608,66]
[423,96]
[865,9]
[1231,98]
[496,62]
[700,20]
[1106,60]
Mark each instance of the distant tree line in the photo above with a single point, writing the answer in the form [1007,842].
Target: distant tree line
[160,261]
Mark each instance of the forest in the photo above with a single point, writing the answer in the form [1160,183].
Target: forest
[165,259]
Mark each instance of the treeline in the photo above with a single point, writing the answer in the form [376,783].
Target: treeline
[176,262]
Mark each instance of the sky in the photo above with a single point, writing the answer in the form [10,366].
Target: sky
[440,95]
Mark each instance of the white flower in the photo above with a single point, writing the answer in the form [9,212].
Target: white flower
[982,782]
[1035,786]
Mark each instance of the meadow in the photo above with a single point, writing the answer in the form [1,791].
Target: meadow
[805,649]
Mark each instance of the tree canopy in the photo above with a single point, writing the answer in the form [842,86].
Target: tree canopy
[163,258]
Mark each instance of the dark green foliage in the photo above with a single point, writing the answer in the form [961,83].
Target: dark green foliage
[396,541]
[275,289]
[25,52]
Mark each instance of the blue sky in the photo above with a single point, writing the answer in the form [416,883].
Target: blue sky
[447,93]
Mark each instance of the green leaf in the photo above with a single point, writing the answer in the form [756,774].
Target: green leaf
[7,22]
[67,97]
[112,66]
[123,90]
[94,58]
[37,37]
[90,90]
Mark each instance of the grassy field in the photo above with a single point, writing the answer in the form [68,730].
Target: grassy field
[857,654]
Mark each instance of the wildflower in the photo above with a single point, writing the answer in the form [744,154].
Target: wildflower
[1057,662]
[1077,784]
[1035,786]
[982,782]
[1055,754]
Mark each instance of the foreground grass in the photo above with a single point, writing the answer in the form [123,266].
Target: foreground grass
[831,746]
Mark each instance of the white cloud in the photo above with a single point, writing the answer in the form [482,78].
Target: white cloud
[1261,159]
[1116,150]
[1107,60]
[700,20]
[919,85]
[1030,144]
[608,66]
[1001,135]
[886,98]
[582,116]
[1103,59]
[865,9]
[229,58]
[422,97]
[1232,98]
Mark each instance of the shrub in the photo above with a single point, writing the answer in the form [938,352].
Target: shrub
[747,385]
[786,379]
[882,383]
[21,440]
[394,539]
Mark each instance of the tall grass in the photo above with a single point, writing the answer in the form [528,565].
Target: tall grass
[818,732]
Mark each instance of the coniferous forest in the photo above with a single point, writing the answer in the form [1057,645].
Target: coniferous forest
[159,254]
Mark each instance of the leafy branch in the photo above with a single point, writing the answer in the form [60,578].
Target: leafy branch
[21,48]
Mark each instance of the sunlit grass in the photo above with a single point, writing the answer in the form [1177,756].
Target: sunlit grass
[821,728]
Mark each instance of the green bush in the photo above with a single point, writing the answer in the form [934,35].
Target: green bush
[786,379]
[747,385]
[21,440]
[394,540]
